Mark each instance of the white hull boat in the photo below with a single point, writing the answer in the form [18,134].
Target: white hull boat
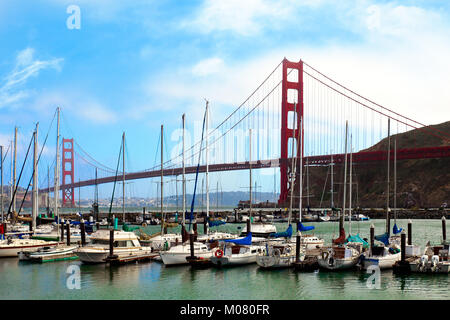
[12,247]
[261,230]
[125,244]
[339,258]
[278,256]
[45,254]
[177,255]
[384,260]
[236,255]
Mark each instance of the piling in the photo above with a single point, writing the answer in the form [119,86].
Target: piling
[372,237]
[444,230]
[62,230]
[205,225]
[235,216]
[195,229]
[402,267]
[111,242]
[409,232]
[68,232]
[297,247]
[97,225]
[191,243]
[403,246]
[248,226]
[183,233]
[83,233]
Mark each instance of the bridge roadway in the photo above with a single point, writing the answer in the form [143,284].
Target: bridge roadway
[361,157]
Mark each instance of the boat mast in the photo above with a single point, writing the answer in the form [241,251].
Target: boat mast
[56,191]
[350,188]
[250,164]
[342,217]
[48,188]
[11,184]
[123,177]
[292,170]
[387,192]
[207,167]
[184,171]
[332,174]
[35,203]
[301,173]
[1,157]
[162,212]
[395,180]
[14,170]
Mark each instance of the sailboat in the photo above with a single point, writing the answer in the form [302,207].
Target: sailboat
[163,240]
[179,254]
[11,247]
[260,229]
[342,254]
[386,255]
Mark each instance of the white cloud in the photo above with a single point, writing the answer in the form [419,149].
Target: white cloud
[12,91]
[208,66]
[246,18]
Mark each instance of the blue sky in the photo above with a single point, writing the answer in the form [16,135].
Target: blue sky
[134,65]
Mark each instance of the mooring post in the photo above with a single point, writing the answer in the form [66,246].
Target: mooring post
[205,225]
[183,233]
[83,233]
[409,232]
[444,230]
[403,246]
[97,225]
[372,237]
[62,230]
[297,247]
[248,226]
[195,228]
[235,216]
[191,243]
[111,242]
[68,232]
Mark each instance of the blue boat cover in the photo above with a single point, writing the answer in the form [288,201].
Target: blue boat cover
[215,223]
[383,238]
[396,229]
[244,241]
[357,238]
[285,234]
[301,227]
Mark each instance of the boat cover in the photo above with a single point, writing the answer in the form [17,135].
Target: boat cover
[215,223]
[285,234]
[128,228]
[341,238]
[396,230]
[357,238]
[244,241]
[301,227]
[383,238]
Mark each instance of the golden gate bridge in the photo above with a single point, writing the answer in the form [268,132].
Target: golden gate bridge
[292,91]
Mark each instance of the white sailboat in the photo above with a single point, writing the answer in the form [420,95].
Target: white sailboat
[341,255]
[11,247]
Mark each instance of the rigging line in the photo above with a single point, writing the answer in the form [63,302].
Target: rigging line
[88,162]
[20,175]
[233,113]
[243,118]
[370,100]
[348,97]
[7,150]
[66,125]
[115,180]
[37,163]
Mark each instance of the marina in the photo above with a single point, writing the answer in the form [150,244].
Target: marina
[152,280]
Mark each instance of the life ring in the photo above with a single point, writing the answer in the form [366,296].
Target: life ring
[219,253]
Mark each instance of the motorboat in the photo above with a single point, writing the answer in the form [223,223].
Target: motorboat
[435,259]
[11,247]
[125,244]
[383,257]
[46,254]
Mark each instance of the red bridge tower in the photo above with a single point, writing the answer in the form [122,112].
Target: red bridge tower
[68,172]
